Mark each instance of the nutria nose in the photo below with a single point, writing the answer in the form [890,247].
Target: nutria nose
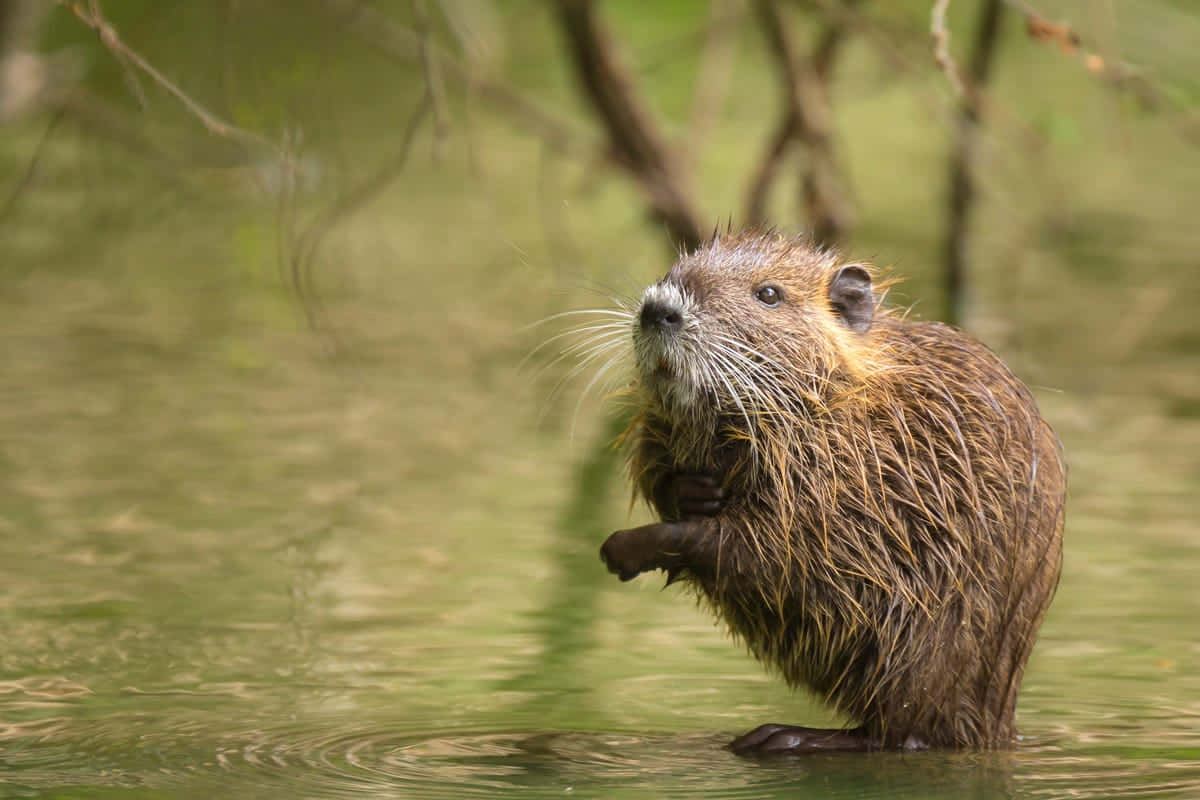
[657,314]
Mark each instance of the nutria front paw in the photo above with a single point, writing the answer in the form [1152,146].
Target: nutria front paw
[684,495]
[627,553]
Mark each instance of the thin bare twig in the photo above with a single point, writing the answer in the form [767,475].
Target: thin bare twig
[117,125]
[397,41]
[713,72]
[127,71]
[906,53]
[26,179]
[679,46]
[433,80]
[941,46]
[1119,75]
[767,169]
[961,196]
[9,16]
[309,242]
[634,138]
[109,37]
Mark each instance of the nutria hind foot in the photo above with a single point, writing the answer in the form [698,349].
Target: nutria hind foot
[780,740]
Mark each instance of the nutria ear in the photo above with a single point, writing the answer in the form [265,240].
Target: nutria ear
[852,299]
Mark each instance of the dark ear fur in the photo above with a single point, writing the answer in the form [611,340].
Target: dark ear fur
[851,297]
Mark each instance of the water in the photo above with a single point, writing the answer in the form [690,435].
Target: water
[243,558]
[235,565]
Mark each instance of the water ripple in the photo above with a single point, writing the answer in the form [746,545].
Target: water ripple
[388,758]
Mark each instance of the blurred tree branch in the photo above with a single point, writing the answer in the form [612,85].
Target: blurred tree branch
[91,17]
[634,138]
[308,243]
[434,87]
[397,41]
[713,72]
[8,19]
[807,118]
[941,46]
[31,168]
[1117,74]
[961,194]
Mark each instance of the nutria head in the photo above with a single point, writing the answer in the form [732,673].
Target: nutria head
[759,322]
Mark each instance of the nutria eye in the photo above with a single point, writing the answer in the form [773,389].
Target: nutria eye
[769,296]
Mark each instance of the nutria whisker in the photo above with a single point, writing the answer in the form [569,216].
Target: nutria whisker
[621,312]
[749,376]
[711,371]
[594,351]
[597,342]
[758,369]
[604,368]
[590,352]
[584,331]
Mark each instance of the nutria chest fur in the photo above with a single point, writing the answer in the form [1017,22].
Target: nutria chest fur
[873,505]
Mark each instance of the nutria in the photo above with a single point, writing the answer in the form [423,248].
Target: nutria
[873,505]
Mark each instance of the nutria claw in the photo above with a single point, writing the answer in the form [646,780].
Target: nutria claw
[624,554]
[670,546]
[681,495]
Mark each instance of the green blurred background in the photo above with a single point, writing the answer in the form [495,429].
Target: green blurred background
[282,512]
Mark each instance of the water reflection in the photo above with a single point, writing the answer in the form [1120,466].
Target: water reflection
[221,581]
[319,758]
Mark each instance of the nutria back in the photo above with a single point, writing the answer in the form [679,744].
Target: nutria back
[892,535]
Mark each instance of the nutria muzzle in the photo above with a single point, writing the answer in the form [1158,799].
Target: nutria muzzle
[660,315]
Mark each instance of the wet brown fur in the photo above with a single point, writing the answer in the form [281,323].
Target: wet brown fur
[893,534]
